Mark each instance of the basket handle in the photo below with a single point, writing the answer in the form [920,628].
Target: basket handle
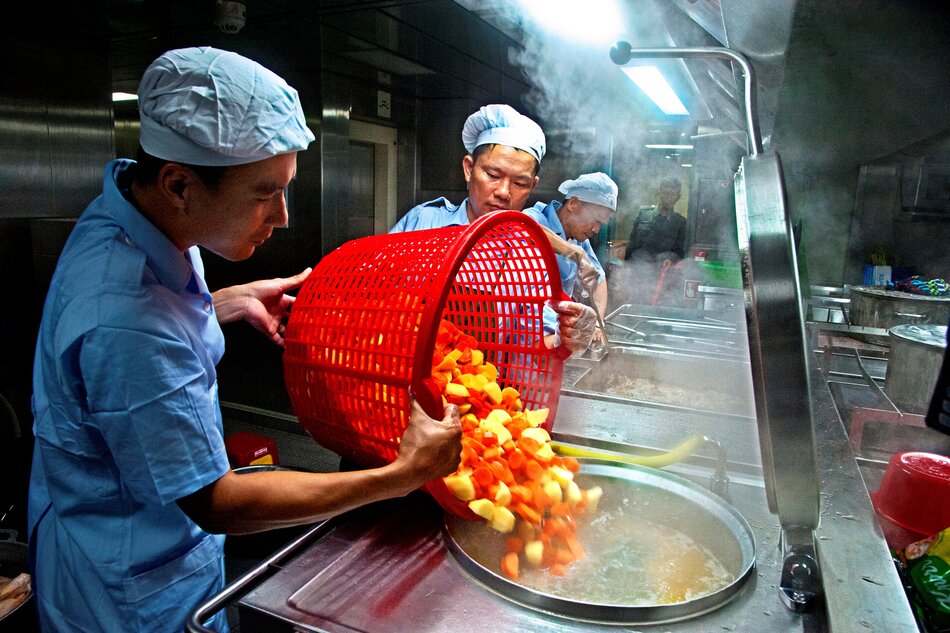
[429,397]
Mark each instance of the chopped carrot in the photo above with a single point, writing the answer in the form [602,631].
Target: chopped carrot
[508,474]
[509,565]
[484,476]
[514,544]
[533,470]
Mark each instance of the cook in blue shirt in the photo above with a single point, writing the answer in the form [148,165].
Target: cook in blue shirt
[505,149]
[589,202]
[130,491]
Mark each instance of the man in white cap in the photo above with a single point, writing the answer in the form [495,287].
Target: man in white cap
[590,200]
[131,491]
[501,167]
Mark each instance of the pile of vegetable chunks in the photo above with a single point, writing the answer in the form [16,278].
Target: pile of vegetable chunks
[509,474]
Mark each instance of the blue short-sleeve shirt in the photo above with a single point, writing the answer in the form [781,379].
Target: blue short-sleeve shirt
[546,215]
[127,421]
[433,214]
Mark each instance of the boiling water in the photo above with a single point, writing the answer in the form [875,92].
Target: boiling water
[644,546]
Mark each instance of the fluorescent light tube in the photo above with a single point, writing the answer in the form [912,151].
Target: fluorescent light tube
[666,146]
[595,21]
[124,96]
[651,81]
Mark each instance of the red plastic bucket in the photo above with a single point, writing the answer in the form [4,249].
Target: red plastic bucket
[362,330]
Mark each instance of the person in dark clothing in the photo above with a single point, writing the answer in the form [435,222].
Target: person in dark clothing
[659,233]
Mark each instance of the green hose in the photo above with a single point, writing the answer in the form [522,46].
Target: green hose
[650,461]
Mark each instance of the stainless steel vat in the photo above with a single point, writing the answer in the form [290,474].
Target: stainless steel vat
[878,307]
[916,357]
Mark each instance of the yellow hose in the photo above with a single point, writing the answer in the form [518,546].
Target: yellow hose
[650,461]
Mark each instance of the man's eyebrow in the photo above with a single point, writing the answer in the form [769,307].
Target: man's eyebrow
[268,187]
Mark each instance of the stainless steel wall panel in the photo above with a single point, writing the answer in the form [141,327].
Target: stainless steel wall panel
[55,128]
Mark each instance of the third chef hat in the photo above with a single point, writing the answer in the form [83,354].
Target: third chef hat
[498,124]
[596,188]
[206,106]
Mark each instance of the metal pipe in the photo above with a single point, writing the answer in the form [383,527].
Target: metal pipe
[622,52]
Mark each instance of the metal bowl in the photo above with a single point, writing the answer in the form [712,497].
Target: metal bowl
[627,575]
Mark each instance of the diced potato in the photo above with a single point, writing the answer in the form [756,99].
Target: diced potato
[498,416]
[572,493]
[553,490]
[503,494]
[489,371]
[593,497]
[537,417]
[545,453]
[503,520]
[539,435]
[509,394]
[561,475]
[534,552]
[478,357]
[461,486]
[493,391]
[455,389]
[483,508]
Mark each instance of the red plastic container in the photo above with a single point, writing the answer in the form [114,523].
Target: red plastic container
[250,449]
[362,331]
[914,498]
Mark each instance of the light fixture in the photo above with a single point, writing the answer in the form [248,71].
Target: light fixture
[666,146]
[595,21]
[654,84]
[124,96]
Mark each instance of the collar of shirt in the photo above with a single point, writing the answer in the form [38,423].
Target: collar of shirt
[170,265]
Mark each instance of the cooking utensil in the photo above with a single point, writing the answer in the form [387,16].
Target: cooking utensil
[648,461]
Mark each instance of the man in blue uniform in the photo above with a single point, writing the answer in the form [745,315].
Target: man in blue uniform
[131,491]
[590,201]
[505,149]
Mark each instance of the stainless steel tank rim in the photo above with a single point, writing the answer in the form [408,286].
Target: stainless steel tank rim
[590,395]
[618,614]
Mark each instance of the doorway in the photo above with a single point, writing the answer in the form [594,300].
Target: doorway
[371,208]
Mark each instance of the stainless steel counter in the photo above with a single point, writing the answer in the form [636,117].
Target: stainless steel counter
[386,567]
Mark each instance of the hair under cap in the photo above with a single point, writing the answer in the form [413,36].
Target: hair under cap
[596,188]
[205,106]
[503,125]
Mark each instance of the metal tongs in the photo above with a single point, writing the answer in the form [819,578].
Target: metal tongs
[566,249]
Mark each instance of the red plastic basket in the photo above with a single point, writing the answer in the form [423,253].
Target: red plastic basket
[362,331]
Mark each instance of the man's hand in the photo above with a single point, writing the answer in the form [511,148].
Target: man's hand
[576,324]
[264,304]
[431,448]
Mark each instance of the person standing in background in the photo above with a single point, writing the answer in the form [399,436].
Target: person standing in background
[501,167]
[590,201]
[659,232]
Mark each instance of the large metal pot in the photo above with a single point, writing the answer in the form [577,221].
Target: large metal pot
[878,307]
[914,364]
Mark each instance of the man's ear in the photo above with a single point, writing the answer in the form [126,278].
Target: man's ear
[468,164]
[173,182]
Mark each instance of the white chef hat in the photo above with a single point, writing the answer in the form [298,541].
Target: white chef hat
[596,188]
[205,106]
[503,125]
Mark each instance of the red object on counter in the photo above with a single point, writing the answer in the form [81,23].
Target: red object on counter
[250,449]
[913,501]
[361,336]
